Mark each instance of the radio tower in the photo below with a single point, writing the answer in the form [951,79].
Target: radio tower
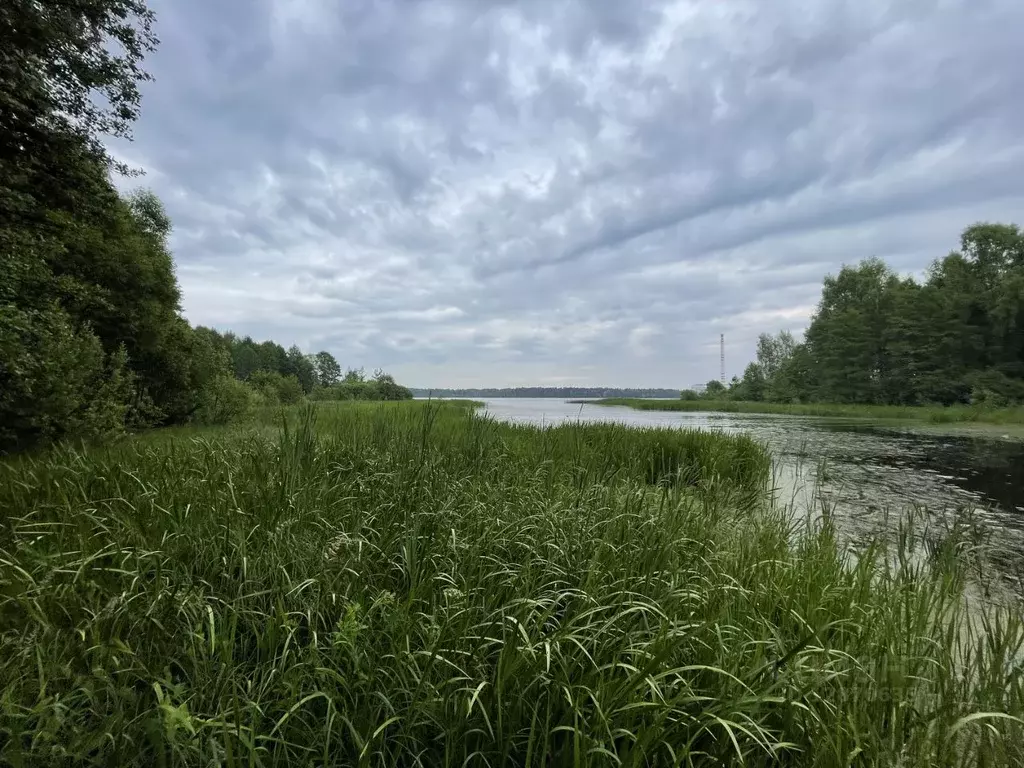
[721,357]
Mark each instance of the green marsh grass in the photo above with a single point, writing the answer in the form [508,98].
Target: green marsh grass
[931,414]
[408,584]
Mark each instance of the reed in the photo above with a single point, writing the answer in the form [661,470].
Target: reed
[409,584]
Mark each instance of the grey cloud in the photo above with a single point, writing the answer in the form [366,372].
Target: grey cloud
[499,192]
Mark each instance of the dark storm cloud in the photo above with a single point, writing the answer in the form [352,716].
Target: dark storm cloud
[550,190]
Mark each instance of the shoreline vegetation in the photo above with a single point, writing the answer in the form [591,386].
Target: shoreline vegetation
[947,414]
[408,583]
[948,349]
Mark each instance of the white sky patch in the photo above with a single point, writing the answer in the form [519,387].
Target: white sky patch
[640,338]
[432,315]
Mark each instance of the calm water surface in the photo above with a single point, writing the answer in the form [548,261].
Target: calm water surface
[868,474]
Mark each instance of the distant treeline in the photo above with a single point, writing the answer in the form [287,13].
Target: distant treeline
[92,339]
[280,376]
[881,339]
[563,392]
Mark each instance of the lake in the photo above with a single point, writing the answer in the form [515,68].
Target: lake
[868,475]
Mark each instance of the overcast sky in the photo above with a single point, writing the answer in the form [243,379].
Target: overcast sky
[473,193]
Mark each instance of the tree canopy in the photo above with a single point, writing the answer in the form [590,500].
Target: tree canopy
[877,337]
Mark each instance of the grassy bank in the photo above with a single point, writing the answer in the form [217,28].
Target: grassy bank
[927,414]
[405,584]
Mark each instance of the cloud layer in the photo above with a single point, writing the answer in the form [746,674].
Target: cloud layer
[564,191]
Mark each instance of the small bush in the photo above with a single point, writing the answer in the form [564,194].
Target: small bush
[289,390]
[223,400]
[56,382]
[275,388]
[381,387]
[994,389]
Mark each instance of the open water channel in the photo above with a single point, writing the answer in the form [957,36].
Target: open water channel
[867,474]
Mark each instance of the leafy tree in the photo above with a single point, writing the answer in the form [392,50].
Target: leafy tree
[71,67]
[558,392]
[327,369]
[272,357]
[752,386]
[88,286]
[714,389]
[107,274]
[880,338]
[299,365]
[245,358]
[149,214]
[847,332]
[794,380]
[773,351]
[354,376]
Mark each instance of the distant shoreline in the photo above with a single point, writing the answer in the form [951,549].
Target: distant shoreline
[562,393]
[959,419]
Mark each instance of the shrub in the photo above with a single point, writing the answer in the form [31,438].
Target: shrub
[55,380]
[275,388]
[388,389]
[289,390]
[995,389]
[224,399]
[381,387]
[349,390]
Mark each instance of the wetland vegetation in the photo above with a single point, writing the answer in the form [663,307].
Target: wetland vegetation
[408,584]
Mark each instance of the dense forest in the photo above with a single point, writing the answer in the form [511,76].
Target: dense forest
[92,339]
[563,392]
[879,338]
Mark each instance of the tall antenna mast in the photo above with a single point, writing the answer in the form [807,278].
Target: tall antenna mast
[721,356]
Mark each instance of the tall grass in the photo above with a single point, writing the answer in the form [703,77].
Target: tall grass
[933,414]
[406,584]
